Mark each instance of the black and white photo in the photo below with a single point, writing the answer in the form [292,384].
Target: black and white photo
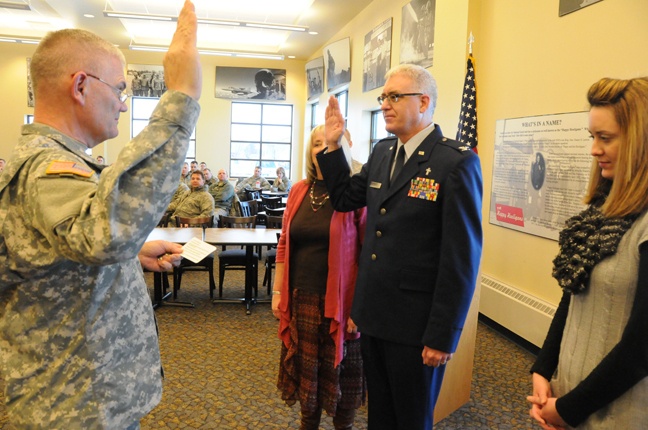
[377,56]
[250,83]
[337,60]
[417,33]
[145,80]
[315,77]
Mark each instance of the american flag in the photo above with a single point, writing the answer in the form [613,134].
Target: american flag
[467,128]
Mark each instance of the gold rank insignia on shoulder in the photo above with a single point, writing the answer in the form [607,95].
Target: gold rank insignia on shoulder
[464,148]
[68,168]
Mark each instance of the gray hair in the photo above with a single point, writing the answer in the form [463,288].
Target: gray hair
[423,80]
[69,51]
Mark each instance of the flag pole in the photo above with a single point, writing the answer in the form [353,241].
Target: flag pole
[471,40]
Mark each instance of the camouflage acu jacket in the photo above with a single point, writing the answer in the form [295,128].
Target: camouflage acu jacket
[77,334]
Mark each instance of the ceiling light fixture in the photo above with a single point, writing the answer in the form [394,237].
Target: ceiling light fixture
[207,51]
[209,21]
[15,39]
[14,5]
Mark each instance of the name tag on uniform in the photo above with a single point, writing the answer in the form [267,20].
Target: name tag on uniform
[424,188]
[375,185]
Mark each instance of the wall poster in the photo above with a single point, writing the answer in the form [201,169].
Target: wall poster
[417,32]
[315,77]
[541,169]
[377,56]
[250,83]
[337,60]
[145,80]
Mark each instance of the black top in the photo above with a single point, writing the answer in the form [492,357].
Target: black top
[309,243]
[624,366]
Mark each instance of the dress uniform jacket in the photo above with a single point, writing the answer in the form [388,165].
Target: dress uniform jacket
[423,242]
[78,342]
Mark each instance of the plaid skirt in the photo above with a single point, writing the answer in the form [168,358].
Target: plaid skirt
[306,369]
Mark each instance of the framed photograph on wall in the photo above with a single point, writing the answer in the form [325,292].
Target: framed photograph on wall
[569,6]
[337,59]
[145,80]
[417,33]
[250,83]
[377,56]
[315,77]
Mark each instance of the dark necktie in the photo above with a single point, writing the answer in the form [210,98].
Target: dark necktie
[398,165]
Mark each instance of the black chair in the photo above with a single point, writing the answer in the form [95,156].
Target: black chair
[236,259]
[275,213]
[271,255]
[271,202]
[164,221]
[253,194]
[249,208]
[205,265]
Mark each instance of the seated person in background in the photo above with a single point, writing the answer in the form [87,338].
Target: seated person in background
[195,203]
[254,182]
[209,178]
[194,166]
[179,194]
[281,183]
[223,194]
[186,174]
[203,165]
[100,159]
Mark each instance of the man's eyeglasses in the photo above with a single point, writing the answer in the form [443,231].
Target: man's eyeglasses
[393,98]
[120,93]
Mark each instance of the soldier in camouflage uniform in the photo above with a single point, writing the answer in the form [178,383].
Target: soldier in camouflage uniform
[178,195]
[78,342]
[185,176]
[223,193]
[251,184]
[196,203]
[209,178]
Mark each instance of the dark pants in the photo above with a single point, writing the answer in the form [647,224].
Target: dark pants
[402,390]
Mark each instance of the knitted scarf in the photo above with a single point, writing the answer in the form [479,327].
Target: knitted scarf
[587,239]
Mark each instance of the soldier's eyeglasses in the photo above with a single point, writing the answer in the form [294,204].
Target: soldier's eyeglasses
[120,94]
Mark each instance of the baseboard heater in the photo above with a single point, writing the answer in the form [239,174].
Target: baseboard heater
[525,315]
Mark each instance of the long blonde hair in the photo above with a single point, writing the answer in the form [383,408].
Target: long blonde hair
[628,192]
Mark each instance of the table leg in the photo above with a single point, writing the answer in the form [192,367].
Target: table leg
[249,277]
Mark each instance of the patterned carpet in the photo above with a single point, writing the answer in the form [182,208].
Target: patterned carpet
[221,368]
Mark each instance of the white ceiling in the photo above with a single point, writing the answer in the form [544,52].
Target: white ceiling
[326,17]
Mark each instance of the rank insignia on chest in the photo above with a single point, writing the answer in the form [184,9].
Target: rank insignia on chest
[68,168]
[424,188]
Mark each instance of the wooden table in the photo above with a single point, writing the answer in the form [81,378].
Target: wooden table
[250,238]
[218,236]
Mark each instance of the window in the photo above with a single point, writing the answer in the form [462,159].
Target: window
[313,112]
[141,111]
[261,135]
[378,128]
[343,99]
